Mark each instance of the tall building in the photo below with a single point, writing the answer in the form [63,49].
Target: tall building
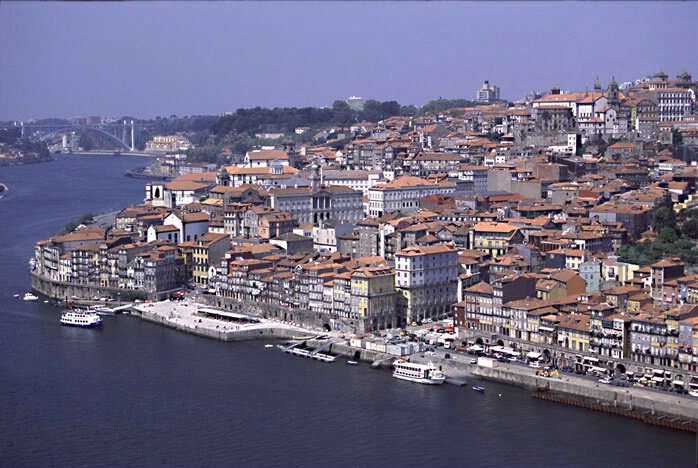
[426,279]
[488,93]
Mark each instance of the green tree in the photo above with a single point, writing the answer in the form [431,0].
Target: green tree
[663,217]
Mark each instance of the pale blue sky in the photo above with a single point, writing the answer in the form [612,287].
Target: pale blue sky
[145,59]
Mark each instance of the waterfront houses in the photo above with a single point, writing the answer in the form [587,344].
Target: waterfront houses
[513,219]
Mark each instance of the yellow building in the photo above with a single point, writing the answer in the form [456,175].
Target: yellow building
[494,238]
[573,332]
[207,252]
[373,296]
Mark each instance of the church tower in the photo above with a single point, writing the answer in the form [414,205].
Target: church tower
[613,95]
[597,85]
[222,177]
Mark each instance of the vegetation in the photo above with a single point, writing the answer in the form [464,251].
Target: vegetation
[71,226]
[672,241]
[441,105]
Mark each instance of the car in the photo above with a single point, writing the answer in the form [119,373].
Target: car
[567,369]
[473,361]
[606,380]
[414,324]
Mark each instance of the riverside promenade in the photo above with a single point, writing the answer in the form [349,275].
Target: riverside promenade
[197,319]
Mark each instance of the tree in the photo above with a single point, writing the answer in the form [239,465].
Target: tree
[663,217]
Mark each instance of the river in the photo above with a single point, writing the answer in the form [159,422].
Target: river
[137,394]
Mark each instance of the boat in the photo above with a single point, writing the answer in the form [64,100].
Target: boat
[268,345]
[16,296]
[30,297]
[479,389]
[352,363]
[81,318]
[420,373]
[101,310]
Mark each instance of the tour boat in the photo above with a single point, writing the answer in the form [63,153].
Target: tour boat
[419,373]
[30,297]
[81,318]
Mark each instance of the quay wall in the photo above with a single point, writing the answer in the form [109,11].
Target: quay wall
[625,398]
[82,292]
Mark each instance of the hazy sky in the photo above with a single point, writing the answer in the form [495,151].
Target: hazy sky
[145,59]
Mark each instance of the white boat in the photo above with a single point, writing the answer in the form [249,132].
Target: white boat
[420,373]
[81,318]
[352,363]
[16,296]
[268,345]
[30,297]
[101,310]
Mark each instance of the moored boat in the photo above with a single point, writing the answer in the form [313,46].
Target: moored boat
[479,389]
[101,310]
[420,373]
[352,363]
[30,297]
[81,318]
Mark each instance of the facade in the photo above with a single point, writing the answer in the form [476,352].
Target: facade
[494,238]
[427,280]
[312,205]
[208,251]
[373,296]
[487,93]
[403,194]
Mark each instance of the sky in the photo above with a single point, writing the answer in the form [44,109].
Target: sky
[148,59]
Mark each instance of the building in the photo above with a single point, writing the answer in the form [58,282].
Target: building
[207,252]
[403,194]
[427,281]
[494,238]
[373,297]
[311,205]
[487,93]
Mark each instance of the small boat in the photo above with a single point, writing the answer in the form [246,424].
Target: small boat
[352,363]
[17,296]
[101,310]
[268,345]
[479,389]
[30,297]
[81,318]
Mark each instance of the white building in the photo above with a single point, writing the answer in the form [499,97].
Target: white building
[427,281]
[403,195]
[360,180]
[488,93]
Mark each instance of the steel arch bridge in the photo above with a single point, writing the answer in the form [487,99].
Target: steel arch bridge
[121,143]
[124,134]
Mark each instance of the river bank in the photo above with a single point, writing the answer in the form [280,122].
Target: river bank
[668,409]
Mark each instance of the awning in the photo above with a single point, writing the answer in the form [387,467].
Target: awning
[560,338]
[678,382]
[497,349]
[475,348]
[533,355]
[548,329]
[657,379]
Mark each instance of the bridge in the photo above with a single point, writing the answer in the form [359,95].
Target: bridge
[123,133]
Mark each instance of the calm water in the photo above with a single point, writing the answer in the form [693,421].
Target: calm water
[136,394]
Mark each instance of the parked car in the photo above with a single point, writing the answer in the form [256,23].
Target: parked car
[567,369]
[606,380]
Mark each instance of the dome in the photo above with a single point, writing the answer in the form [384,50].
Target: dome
[661,74]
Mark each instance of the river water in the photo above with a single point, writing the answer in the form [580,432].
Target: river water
[137,394]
